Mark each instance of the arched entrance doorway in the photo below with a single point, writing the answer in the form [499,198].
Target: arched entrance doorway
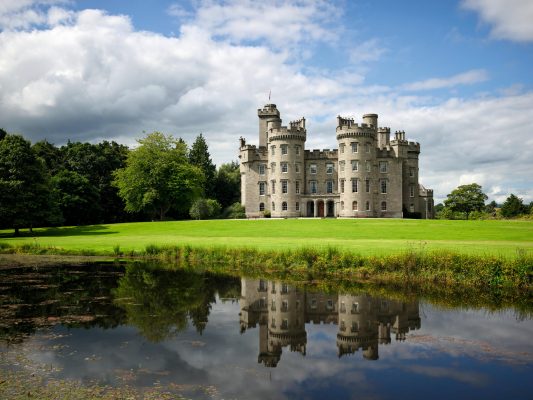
[320,206]
[310,209]
[330,208]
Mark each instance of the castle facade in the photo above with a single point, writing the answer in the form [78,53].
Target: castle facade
[368,175]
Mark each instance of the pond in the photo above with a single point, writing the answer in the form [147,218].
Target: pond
[143,331]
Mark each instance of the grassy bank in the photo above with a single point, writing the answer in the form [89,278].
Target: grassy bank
[364,236]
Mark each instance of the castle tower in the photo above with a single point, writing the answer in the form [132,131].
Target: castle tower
[269,113]
[286,149]
[357,146]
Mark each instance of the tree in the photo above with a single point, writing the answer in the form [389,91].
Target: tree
[491,207]
[50,155]
[513,206]
[3,134]
[158,177]
[97,163]
[78,199]
[199,156]
[26,199]
[228,184]
[466,198]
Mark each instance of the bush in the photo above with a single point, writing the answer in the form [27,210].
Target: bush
[267,214]
[478,215]
[205,209]
[235,211]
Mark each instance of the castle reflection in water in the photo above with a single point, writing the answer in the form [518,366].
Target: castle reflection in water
[282,310]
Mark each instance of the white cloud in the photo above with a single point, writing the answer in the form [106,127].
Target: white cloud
[23,14]
[280,23]
[509,19]
[466,78]
[369,50]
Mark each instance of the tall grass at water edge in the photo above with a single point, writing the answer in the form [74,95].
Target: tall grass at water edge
[441,267]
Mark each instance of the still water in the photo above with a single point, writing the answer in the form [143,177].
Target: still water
[219,337]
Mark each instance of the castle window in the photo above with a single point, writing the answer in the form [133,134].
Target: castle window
[342,205]
[354,205]
[342,307]
[297,168]
[273,167]
[411,207]
[411,191]
[284,305]
[412,172]
[367,147]
[383,167]
[273,206]
[273,150]
[312,168]
[284,149]
[297,150]
[367,185]
[261,206]
[355,308]
[383,206]
[312,185]
[383,185]
[297,187]
[341,166]
[355,185]
[367,206]
[329,305]
[273,305]
[368,166]
[313,303]
[262,169]
[329,168]
[342,185]
[262,285]
[273,324]
[285,324]
[297,208]
[341,148]
[342,328]
[355,146]
[284,186]
[355,165]
[262,186]
[284,206]
[329,186]
[355,326]
[284,167]
[273,185]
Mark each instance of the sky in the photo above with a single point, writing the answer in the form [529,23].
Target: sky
[456,76]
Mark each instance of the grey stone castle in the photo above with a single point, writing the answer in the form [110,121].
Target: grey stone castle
[368,175]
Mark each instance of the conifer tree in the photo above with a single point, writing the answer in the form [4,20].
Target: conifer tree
[199,156]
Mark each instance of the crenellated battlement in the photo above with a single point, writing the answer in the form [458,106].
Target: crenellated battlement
[316,154]
[384,129]
[298,124]
[268,109]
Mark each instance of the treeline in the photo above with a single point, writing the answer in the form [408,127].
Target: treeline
[468,202]
[84,184]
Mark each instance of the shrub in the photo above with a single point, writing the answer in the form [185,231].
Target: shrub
[235,211]
[205,209]
[267,214]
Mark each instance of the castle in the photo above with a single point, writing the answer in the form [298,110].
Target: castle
[368,175]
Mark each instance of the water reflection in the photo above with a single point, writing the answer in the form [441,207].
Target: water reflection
[281,311]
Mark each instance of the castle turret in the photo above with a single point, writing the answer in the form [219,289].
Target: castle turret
[286,167]
[269,113]
[357,146]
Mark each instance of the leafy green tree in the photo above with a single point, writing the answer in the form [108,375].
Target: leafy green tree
[50,155]
[199,156]
[26,199]
[3,134]
[78,199]
[228,184]
[466,198]
[158,177]
[97,163]
[513,206]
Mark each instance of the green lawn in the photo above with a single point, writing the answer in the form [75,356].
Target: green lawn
[366,236]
